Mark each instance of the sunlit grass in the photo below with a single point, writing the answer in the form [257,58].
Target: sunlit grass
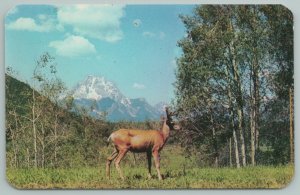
[178,172]
[136,177]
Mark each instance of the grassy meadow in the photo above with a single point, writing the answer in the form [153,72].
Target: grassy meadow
[94,178]
[177,172]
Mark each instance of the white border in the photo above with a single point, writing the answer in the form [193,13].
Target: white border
[5,188]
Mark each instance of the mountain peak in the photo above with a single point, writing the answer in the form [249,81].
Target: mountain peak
[104,96]
[161,107]
[96,88]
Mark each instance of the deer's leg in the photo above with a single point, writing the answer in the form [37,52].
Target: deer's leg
[117,162]
[108,162]
[134,159]
[149,164]
[156,160]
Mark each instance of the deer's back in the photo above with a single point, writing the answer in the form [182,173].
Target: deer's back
[137,140]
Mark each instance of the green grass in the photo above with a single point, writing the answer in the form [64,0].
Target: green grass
[94,178]
[177,171]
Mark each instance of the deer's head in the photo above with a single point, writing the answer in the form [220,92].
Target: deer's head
[169,120]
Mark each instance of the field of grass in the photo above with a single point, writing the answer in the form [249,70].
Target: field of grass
[94,178]
[177,172]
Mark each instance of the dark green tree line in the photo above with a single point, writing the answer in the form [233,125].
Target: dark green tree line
[236,61]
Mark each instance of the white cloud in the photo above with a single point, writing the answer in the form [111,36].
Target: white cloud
[30,24]
[173,63]
[96,21]
[102,22]
[149,34]
[73,46]
[138,86]
[13,10]
[42,16]
[136,22]
[159,35]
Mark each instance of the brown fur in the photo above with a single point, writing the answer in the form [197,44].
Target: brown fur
[134,140]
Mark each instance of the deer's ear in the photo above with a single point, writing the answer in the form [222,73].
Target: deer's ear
[167,111]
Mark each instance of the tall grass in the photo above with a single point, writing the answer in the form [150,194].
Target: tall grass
[94,178]
[178,172]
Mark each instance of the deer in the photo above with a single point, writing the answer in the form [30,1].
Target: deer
[150,142]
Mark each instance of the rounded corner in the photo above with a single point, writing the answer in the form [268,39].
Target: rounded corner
[288,10]
[290,181]
[11,11]
[12,185]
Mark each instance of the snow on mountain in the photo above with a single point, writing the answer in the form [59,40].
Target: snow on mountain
[160,107]
[96,88]
[104,96]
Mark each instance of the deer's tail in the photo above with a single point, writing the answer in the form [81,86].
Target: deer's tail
[107,141]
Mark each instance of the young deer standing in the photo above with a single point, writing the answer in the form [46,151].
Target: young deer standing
[149,141]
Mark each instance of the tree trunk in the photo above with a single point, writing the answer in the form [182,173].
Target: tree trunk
[241,131]
[28,157]
[255,102]
[15,153]
[215,145]
[34,129]
[252,131]
[252,122]
[13,140]
[236,149]
[43,146]
[55,141]
[230,153]
[231,116]
[240,103]
[238,94]
[292,160]
[256,98]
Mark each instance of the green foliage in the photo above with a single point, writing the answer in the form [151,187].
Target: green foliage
[79,138]
[280,20]
[237,61]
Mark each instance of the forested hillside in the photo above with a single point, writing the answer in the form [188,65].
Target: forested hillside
[43,134]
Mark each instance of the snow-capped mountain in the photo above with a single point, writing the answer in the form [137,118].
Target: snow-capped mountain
[96,88]
[100,95]
[160,107]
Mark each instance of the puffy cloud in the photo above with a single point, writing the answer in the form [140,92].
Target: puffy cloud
[13,10]
[30,24]
[138,86]
[173,63]
[159,35]
[73,46]
[102,22]
[42,16]
[96,21]
[149,34]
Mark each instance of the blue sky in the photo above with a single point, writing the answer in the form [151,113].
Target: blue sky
[132,45]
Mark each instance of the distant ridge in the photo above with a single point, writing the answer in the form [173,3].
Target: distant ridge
[104,96]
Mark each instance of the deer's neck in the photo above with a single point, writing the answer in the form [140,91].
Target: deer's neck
[165,131]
